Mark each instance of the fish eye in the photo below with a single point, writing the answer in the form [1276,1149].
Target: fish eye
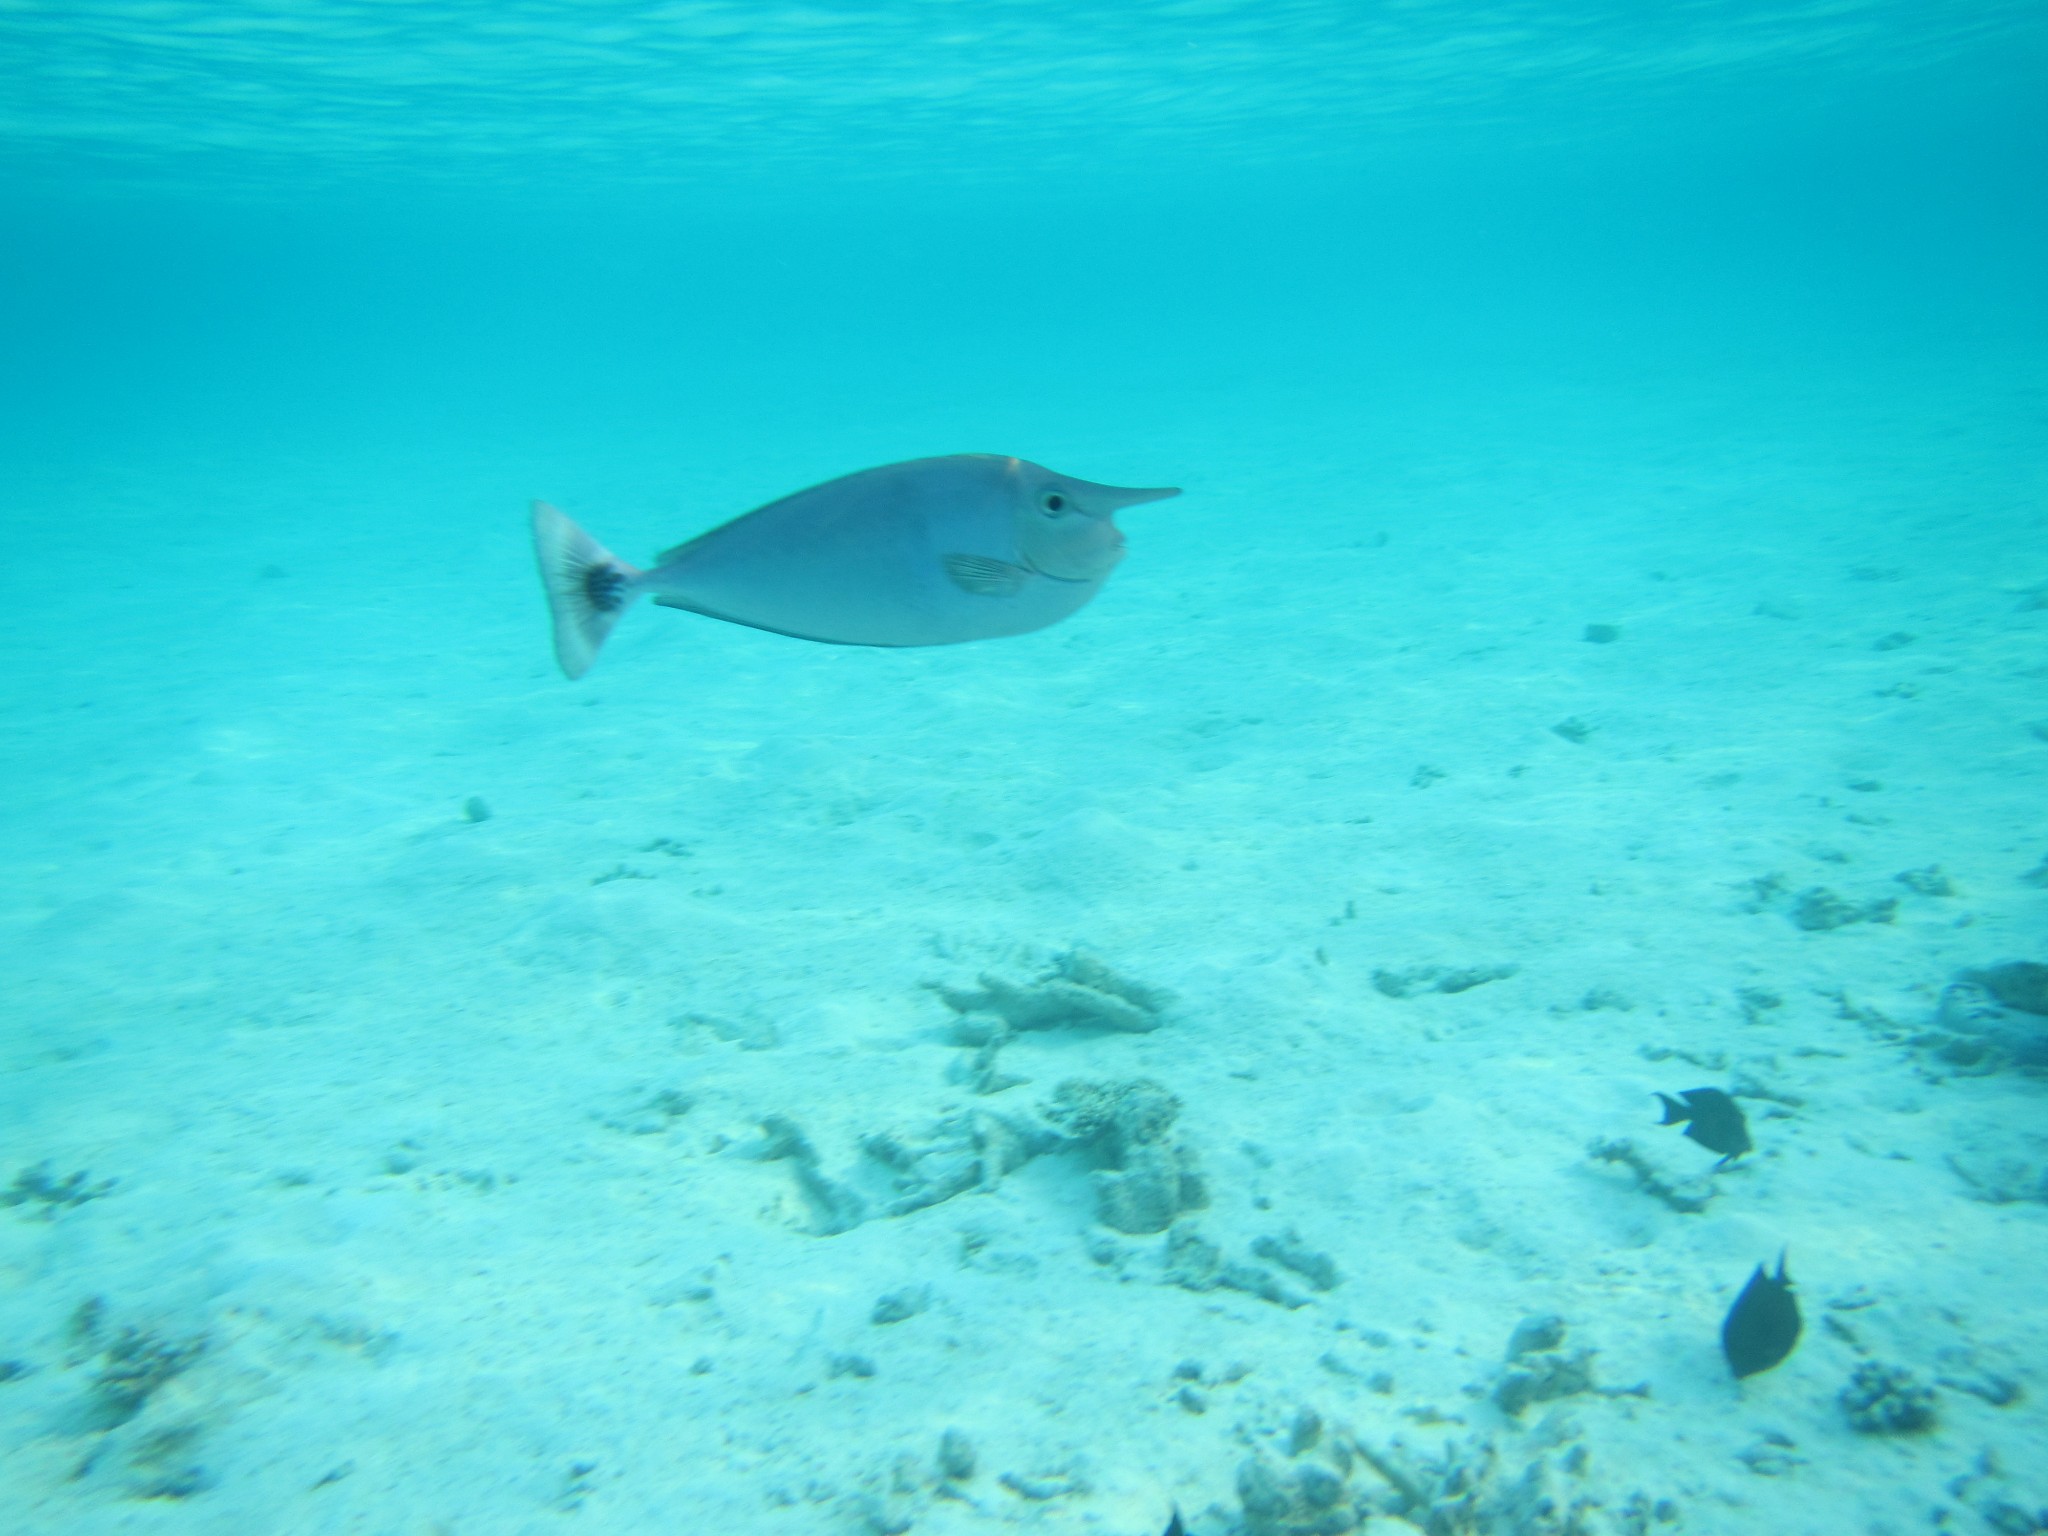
[1053,502]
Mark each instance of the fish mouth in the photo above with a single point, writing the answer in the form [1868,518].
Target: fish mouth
[1098,563]
[1109,562]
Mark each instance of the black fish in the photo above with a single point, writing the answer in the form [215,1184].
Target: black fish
[1763,1325]
[1717,1122]
[1174,1527]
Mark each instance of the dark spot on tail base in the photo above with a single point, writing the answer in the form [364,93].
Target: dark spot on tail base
[605,587]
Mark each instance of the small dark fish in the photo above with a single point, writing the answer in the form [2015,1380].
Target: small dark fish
[1717,1122]
[1763,1325]
[1174,1527]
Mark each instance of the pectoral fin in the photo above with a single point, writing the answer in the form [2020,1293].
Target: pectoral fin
[985,577]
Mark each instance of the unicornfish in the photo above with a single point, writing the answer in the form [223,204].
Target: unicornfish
[928,552]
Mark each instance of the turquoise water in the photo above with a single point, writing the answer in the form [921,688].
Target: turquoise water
[1182,1057]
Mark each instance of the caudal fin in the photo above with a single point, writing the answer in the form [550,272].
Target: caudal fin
[587,585]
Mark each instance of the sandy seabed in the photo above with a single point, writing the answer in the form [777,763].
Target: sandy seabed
[442,1098]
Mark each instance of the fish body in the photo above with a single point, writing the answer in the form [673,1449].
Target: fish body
[1711,1118]
[1763,1325]
[936,551]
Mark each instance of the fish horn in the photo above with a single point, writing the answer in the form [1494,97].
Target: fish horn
[1117,497]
